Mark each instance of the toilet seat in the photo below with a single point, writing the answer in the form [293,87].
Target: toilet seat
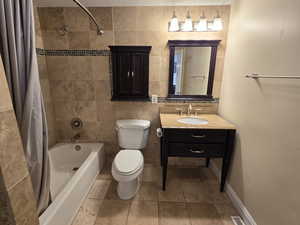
[128,162]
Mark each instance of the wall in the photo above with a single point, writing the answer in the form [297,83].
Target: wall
[81,84]
[45,84]
[264,38]
[16,192]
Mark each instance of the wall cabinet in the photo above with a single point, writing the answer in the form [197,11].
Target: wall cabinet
[130,68]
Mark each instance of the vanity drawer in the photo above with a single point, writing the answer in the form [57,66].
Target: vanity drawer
[196,150]
[196,136]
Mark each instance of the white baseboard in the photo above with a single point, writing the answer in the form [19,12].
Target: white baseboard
[236,201]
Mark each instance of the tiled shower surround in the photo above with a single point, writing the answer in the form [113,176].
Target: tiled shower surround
[80,86]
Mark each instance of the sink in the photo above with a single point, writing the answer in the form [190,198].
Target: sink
[192,120]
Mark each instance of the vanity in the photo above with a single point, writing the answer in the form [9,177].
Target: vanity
[188,132]
[204,136]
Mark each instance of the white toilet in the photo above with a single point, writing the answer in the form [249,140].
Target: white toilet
[128,164]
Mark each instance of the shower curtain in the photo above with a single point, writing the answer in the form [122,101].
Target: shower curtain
[17,47]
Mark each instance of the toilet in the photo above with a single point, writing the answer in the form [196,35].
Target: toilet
[128,164]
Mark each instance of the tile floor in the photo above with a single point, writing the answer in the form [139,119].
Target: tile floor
[192,197]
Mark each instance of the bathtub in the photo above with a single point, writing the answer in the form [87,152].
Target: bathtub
[73,169]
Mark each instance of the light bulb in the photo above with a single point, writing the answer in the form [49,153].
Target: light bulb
[174,24]
[188,24]
[202,24]
[218,24]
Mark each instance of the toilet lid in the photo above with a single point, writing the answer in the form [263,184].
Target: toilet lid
[128,161]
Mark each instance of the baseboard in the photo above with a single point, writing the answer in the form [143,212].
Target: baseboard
[238,204]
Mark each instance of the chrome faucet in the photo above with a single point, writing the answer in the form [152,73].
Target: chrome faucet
[189,110]
[75,137]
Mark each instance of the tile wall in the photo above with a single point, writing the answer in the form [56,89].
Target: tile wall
[17,201]
[45,84]
[80,86]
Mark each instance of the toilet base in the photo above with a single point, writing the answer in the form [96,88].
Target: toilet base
[127,190]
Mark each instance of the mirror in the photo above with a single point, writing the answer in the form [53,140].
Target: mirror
[192,65]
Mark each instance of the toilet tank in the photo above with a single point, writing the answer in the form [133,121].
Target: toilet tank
[133,134]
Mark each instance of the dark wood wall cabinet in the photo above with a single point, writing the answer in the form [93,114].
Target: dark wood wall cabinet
[197,143]
[130,68]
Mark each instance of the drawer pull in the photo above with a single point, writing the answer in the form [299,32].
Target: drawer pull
[198,136]
[197,151]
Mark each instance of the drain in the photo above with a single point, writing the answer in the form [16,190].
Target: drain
[75,169]
[77,147]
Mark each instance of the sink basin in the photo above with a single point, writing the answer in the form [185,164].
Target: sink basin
[192,120]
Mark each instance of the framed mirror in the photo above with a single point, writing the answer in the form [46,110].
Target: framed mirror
[192,68]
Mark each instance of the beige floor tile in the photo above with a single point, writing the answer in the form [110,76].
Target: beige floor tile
[87,213]
[171,213]
[208,176]
[226,211]
[143,213]
[173,192]
[151,173]
[113,212]
[197,192]
[148,192]
[187,174]
[203,214]
[216,195]
[227,221]
[112,192]
[99,189]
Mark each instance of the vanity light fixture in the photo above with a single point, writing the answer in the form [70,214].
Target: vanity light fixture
[203,25]
[188,24]
[218,23]
[174,24]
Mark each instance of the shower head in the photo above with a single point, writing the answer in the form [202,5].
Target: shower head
[99,30]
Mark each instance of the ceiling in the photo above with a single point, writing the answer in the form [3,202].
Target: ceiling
[106,3]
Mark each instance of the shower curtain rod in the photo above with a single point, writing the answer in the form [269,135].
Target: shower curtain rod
[99,30]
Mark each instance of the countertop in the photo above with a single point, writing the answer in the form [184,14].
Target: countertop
[215,121]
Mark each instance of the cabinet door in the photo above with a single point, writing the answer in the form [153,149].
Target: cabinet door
[123,75]
[139,74]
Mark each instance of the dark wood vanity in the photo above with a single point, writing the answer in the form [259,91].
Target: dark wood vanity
[214,140]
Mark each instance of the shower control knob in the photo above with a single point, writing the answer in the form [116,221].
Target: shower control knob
[76,123]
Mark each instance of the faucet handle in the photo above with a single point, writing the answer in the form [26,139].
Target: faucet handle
[198,110]
[179,110]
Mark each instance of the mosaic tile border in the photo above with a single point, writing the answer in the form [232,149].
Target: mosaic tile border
[167,100]
[66,52]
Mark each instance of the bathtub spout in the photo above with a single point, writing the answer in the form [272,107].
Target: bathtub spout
[75,138]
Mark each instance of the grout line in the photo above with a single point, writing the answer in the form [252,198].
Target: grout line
[129,209]
[18,182]
[158,214]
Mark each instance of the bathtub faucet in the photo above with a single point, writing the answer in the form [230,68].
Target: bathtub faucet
[75,137]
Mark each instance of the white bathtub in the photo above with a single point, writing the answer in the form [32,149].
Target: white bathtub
[72,173]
